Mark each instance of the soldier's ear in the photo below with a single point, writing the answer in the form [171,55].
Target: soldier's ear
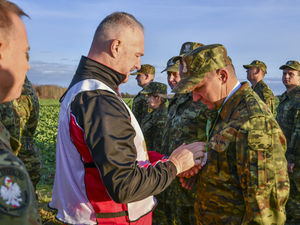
[223,75]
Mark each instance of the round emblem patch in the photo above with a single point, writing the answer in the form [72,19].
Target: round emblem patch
[15,192]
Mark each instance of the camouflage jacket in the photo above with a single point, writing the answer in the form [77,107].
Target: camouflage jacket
[20,116]
[265,93]
[288,117]
[153,126]
[185,123]
[18,203]
[139,107]
[245,179]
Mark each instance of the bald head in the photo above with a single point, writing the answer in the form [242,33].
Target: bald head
[6,24]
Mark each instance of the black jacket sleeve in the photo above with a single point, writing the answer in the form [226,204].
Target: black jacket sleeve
[109,136]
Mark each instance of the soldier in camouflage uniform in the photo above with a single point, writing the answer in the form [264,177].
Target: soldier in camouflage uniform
[144,77]
[154,122]
[255,73]
[20,117]
[18,203]
[245,179]
[185,123]
[288,118]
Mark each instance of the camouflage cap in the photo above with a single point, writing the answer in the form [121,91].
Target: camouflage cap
[291,64]
[185,48]
[171,66]
[145,69]
[199,62]
[155,88]
[257,64]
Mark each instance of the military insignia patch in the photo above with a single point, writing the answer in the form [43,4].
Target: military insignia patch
[14,191]
[187,48]
[171,63]
[289,63]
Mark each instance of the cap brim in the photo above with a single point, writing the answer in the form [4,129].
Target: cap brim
[284,66]
[187,84]
[136,73]
[247,66]
[171,69]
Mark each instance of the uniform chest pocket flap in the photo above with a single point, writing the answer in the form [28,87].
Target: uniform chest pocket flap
[217,165]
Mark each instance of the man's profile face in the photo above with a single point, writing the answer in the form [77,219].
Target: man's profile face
[290,77]
[250,73]
[208,91]
[173,79]
[141,79]
[14,64]
[133,49]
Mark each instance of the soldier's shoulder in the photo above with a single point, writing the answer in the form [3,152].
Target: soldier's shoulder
[254,106]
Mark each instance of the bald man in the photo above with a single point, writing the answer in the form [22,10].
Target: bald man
[103,171]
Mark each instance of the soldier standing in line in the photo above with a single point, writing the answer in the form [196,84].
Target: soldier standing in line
[245,179]
[185,123]
[144,77]
[154,122]
[18,203]
[20,118]
[256,71]
[287,117]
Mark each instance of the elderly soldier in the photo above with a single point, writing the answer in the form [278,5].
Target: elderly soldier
[20,117]
[245,179]
[18,204]
[255,73]
[185,123]
[154,122]
[144,77]
[288,118]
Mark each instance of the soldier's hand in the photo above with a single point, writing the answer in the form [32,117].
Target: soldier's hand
[188,183]
[191,172]
[290,167]
[187,156]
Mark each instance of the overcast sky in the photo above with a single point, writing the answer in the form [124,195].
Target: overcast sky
[60,31]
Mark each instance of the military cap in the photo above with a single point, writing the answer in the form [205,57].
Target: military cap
[156,88]
[257,64]
[291,64]
[199,62]
[171,66]
[185,48]
[145,69]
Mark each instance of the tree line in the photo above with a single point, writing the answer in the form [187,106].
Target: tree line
[49,91]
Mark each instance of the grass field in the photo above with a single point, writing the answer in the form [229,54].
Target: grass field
[45,139]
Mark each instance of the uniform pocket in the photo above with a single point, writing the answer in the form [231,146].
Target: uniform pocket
[217,164]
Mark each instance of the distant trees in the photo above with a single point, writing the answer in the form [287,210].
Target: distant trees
[49,91]
[127,95]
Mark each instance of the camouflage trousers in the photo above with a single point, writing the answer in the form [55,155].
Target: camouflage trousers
[293,203]
[30,155]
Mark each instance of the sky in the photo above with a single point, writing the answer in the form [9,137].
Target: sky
[61,31]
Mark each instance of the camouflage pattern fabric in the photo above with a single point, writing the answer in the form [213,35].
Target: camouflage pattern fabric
[140,107]
[245,179]
[288,112]
[257,64]
[153,127]
[155,88]
[185,123]
[18,203]
[20,117]
[145,69]
[294,65]
[266,94]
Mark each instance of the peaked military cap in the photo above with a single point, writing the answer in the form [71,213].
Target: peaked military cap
[185,48]
[171,66]
[291,64]
[156,88]
[199,62]
[145,69]
[257,64]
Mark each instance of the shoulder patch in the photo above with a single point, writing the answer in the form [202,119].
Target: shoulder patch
[15,192]
[253,106]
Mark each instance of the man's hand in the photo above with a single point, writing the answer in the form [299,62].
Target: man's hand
[187,156]
[191,172]
[290,167]
[188,183]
